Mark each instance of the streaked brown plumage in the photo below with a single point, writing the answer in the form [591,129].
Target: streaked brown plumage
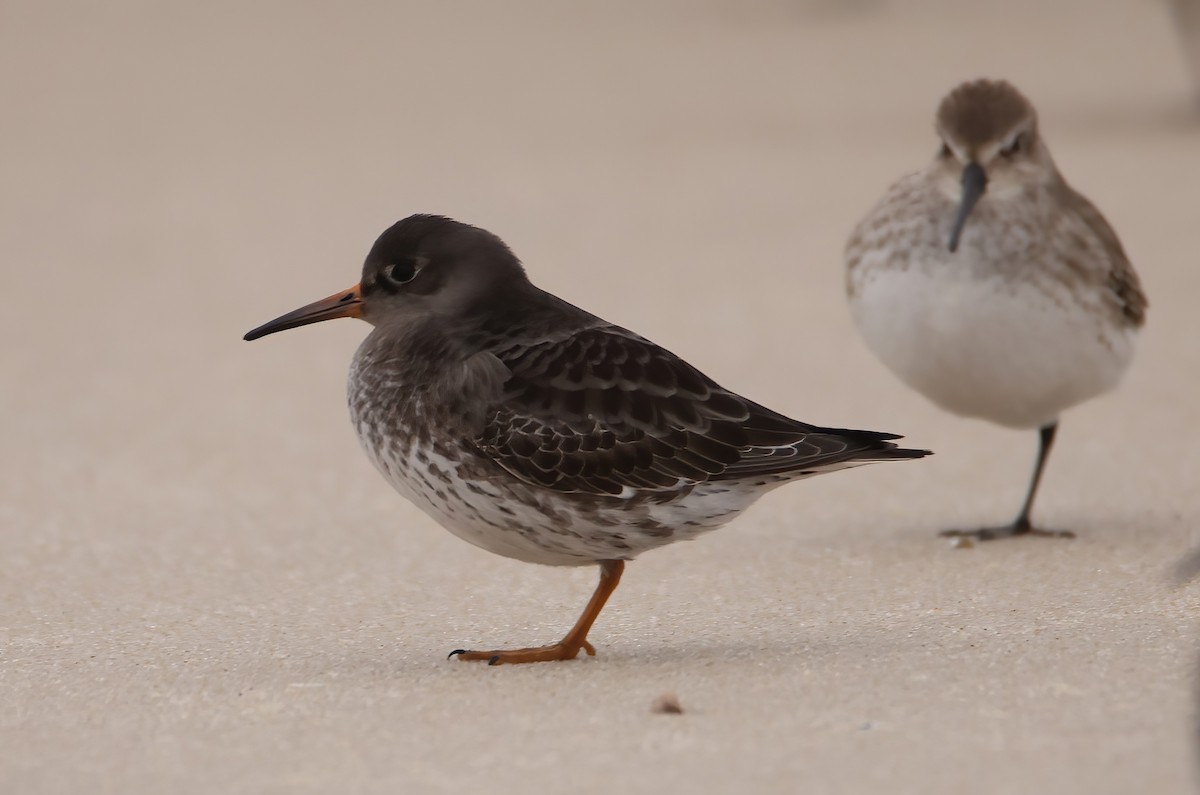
[538,431]
[989,284]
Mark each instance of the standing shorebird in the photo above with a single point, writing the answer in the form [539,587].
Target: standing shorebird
[540,432]
[989,285]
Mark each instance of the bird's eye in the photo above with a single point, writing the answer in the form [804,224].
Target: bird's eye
[945,152]
[401,272]
[1014,146]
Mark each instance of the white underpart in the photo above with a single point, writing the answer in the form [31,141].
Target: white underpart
[496,510]
[463,512]
[1016,347]
[541,526]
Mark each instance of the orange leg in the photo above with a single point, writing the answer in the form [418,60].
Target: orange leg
[576,639]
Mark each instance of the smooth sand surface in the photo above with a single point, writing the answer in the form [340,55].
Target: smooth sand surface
[205,586]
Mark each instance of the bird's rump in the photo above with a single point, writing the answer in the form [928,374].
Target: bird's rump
[606,412]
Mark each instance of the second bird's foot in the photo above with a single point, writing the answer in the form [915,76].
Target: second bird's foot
[1006,531]
[555,651]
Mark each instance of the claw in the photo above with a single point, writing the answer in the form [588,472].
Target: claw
[1009,531]
[555,651]
[569,647]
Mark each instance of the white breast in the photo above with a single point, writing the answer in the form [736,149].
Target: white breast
[1016,351]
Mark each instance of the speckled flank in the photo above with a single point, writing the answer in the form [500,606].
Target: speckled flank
[535,430]
[481,502]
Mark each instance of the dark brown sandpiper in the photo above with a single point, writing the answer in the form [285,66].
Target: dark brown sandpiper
[988,284]
[540,432]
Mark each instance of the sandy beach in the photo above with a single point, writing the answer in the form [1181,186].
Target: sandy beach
[207,588]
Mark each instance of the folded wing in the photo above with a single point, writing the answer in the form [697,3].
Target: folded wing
[607,412]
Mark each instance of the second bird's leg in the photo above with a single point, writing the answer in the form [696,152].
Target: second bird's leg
[567,648]
[1022,525]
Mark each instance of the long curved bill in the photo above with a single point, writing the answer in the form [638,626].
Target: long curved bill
[974,183]
[347,303]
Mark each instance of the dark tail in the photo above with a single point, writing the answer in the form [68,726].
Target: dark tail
[872,445]
[816,450]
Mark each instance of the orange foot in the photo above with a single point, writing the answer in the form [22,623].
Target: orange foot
[562,650]
[567,648]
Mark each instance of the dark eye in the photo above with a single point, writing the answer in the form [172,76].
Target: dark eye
[1014,146]
[945,152]
[401,272]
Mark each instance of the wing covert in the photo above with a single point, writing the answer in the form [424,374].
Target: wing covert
[605,411]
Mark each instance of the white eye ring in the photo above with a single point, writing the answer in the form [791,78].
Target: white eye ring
[1014,145]
[402,272]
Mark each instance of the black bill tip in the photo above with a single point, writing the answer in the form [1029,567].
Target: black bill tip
[974,183]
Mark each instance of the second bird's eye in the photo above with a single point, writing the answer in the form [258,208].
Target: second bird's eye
[401,272]
[1013,146]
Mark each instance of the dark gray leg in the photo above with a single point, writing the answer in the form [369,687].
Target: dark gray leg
[1022,525]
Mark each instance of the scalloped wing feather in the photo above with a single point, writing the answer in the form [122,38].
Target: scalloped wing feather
[606,412]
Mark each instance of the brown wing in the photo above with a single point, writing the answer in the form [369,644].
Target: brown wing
[1122,278]
[604,411]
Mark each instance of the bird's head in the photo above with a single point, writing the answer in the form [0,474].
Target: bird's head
[421,266]
[990,145]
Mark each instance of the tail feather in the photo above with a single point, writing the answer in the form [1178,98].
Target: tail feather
[819,450]
[877,445]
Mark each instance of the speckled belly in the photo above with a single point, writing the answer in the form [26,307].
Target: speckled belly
[495,511]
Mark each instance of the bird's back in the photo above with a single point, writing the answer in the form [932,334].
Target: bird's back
[589,407]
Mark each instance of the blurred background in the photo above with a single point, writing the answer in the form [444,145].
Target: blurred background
[184,515]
